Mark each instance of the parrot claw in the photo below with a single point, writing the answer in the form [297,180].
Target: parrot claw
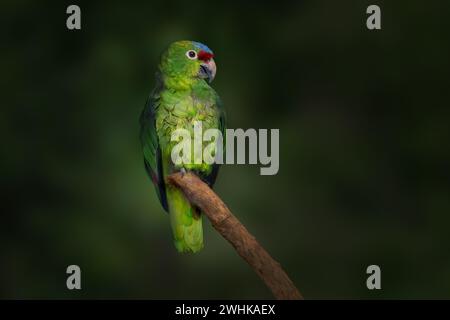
[183,172]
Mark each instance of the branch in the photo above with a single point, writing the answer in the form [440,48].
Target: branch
[231,229]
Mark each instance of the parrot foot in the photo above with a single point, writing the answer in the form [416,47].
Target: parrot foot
[183,172]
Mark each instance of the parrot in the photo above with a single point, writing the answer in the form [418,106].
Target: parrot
[181,96]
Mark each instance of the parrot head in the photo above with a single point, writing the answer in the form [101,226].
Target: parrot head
[188,60]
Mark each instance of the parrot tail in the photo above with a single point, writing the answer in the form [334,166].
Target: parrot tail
[186,222]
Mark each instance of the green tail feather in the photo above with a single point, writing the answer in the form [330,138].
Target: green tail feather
[186,222]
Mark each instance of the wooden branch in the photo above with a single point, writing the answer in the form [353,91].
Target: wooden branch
[231,229]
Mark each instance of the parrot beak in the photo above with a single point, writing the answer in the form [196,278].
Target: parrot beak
[208,70]
[208,66]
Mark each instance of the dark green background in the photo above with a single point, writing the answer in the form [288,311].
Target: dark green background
[364,148]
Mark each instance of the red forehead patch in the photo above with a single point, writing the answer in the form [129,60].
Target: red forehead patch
[204,56]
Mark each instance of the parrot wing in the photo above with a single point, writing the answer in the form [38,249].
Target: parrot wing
[150,145]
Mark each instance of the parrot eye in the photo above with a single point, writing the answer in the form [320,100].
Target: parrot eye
[191,54]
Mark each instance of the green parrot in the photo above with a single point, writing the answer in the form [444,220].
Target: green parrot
[182,95]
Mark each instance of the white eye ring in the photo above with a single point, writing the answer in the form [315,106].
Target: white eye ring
[191,54]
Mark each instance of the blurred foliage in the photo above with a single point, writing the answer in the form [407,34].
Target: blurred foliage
[364,151]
